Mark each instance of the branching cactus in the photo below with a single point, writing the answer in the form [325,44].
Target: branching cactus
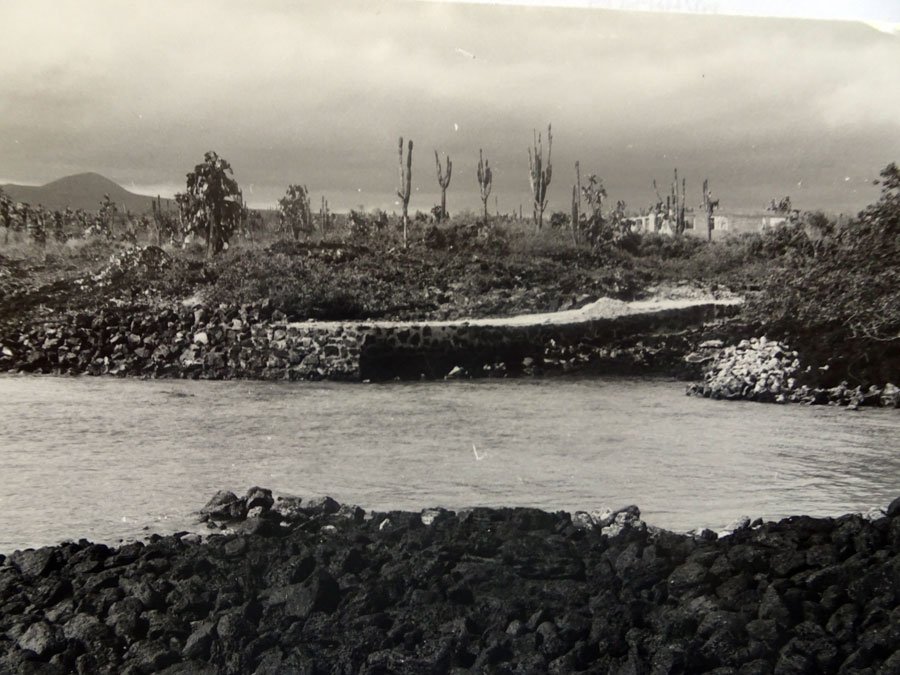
[444,181]
[539,175]
[485,180]
[405,188]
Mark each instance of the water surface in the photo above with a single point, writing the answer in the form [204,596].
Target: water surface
[104,458]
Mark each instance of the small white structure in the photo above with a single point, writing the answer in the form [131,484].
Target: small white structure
[725,223]
[653,222]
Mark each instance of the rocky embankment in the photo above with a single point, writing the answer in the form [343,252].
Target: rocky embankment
[200,342]
[295,587]
[256,342]
[769,371]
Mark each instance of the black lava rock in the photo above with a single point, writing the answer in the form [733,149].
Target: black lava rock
[332,589]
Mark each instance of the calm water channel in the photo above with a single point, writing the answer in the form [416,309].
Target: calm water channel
[106,459]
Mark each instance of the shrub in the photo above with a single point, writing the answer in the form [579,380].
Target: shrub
[662,246]
[559,220]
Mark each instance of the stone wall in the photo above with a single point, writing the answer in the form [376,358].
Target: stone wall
[199,343]
[251,343]
[476,349]
[298,352]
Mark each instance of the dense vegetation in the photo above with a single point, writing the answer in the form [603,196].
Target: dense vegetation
[462,267]
[831,291]
[836,294]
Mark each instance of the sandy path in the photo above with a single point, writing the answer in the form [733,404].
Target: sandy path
[604,308]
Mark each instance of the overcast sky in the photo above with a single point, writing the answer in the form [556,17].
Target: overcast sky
[319,92]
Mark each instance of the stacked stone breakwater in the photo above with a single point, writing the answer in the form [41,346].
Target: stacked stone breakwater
[316,587]
[255,342]
[769,371]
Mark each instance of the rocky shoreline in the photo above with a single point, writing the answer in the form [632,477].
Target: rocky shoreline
[316,587]
[256,341]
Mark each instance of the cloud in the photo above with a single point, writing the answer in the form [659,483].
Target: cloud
[318,92]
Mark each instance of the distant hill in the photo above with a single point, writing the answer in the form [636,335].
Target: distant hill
[81,191]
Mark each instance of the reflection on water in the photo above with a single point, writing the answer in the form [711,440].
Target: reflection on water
[104,458]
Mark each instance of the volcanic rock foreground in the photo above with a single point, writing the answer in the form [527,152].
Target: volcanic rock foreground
[320,588]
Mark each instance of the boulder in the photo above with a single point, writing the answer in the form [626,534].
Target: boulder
[613,523]
[43,639]
[322,505]
[87,629]
[431,516]
[224,506]
[351,512]
[455,373]
[151,656]
[124,618]
[583,520]
[739,524]
[34,562]
[893,509]
[320,592]
[259,497]
[689,578]
[890,396]
[608,517]
[288,507]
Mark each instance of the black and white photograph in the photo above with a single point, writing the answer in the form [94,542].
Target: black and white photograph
[438,337]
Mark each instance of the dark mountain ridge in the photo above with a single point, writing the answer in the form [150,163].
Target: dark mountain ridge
[81,191]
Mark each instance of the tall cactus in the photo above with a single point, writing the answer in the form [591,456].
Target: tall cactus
[443,181]
[575,215]
[107,215]
[485,180]
[405,188]
[156,209]
[6,213]
[709,205]
[294,211]
[37,226]
[678,203]
[59,229]
[576,203]
[324,217]
[539,176]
